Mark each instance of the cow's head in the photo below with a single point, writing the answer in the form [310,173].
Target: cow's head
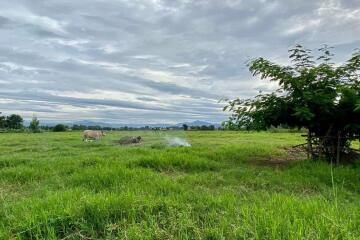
[103,133]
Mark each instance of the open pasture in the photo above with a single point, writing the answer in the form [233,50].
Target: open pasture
[228,185]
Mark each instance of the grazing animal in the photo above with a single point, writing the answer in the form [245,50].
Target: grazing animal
[92,135]
[130,140]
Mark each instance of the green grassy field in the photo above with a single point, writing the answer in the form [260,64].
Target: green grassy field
[228,185]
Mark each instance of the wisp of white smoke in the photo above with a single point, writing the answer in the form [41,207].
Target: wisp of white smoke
[176,141]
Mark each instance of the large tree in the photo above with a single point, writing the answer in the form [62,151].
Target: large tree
[2,121]
[14,121]
[313,93]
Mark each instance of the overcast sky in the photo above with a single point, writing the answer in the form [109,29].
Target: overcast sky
[153,61]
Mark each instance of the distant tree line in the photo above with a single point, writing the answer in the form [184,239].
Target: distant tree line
[185,127]
[229,126]
[16,122]
[199,128]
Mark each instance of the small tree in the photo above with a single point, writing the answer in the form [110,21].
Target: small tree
[34,125]
[204,127]
[60,128]
[185,127]
[321,97]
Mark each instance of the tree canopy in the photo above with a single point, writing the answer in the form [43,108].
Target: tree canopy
[13,121]
[314,93]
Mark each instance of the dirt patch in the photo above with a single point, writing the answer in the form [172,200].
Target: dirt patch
[291,154]
[351,157]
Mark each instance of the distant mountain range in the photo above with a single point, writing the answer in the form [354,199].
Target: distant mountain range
[118,125]
[198,123]
[102,124]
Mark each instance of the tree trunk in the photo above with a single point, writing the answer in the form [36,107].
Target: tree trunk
[310,152]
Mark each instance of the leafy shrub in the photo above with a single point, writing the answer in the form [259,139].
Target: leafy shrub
[60,128]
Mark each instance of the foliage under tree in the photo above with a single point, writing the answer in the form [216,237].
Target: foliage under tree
[313,93]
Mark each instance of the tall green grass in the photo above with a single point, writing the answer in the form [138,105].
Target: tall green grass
[226,186]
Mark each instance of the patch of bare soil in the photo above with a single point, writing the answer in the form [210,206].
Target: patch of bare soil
[291,154]
[351,157]
[298,153]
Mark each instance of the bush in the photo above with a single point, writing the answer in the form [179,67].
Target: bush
[60,128]
[11,130]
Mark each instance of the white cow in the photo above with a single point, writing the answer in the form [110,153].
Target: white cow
[92,135]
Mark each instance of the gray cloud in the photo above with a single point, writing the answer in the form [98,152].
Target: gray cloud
[149,61]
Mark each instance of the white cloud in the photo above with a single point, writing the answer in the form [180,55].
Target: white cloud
[302,25]
[22,15]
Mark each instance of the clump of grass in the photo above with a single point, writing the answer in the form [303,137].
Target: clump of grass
[177,161]
[159,145]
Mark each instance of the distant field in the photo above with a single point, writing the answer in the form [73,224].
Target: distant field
[228,185]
